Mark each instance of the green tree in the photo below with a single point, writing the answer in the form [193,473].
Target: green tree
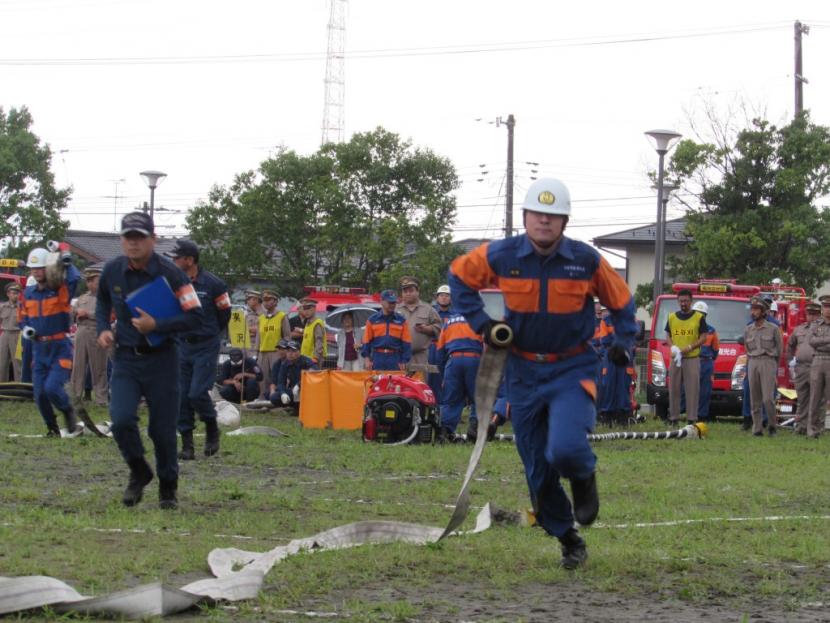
[756,215]
[359,213]
[30,204]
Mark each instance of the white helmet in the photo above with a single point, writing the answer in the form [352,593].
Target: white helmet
[37,258]
[443,290]
[700,306]
[549,196]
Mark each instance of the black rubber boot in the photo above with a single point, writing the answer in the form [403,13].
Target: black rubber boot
[574,552]
[472,431]
[188,452]
[211,437]
[71,421]
[167,494]
[445,435]
[140,477]
[586,500]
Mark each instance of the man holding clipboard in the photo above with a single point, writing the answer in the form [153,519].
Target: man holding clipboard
[152,300]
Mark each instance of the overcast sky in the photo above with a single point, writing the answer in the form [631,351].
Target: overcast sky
[205,89]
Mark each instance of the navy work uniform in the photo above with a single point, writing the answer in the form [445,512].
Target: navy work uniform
[386,340]
[289,381]
[459,353]
[232,372]
[551,368]
[47,312]
[199,352]
[140,369]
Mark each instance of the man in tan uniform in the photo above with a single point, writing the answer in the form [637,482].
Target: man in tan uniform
[764,344]
[800,354]
[424,322]
[87,351]
[819,370]
[10,335]
[253,310]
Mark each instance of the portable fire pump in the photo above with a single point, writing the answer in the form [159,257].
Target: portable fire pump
[399,410]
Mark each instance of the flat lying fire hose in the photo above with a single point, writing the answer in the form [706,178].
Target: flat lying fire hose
[239,574]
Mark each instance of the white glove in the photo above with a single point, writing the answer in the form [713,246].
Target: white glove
[286,399]
[675,351]
[793,362]
[296,392]
[678,359]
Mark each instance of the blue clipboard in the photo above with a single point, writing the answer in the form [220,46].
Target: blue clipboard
[157,299]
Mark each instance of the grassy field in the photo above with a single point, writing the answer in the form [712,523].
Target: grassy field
[60,515]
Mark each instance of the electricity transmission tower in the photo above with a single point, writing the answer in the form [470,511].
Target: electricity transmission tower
[333,111]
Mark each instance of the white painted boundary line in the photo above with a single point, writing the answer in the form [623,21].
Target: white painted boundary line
[686,522]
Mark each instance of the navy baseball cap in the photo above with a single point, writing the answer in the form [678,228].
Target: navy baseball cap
[184,248]
[292,345]
[283,344]
[138,222]
[390,296]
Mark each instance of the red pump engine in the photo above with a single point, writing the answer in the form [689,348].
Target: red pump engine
[399,410]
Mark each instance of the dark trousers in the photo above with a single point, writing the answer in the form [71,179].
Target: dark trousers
[197,363]
[156,377]
[251,388]
[52,367]
[459,389]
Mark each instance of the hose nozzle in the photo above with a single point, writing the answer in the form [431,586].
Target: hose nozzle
[28,333]
[501,335]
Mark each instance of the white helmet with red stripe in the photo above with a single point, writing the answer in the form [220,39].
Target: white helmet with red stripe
[549,196]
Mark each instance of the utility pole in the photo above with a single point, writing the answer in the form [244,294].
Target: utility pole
[508,186]
[335,95]
[115,197]
[799,76]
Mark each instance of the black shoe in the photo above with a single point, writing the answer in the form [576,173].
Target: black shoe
[772,431]
[72,425]
[445,435]
[472,431]
[574,552]
[211,437]
[188,452]
[758,434]
[747,424]
[53,431]
[167,494]
[140,477]
[586,499]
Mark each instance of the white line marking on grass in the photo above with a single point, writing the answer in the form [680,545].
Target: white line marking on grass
[686,522]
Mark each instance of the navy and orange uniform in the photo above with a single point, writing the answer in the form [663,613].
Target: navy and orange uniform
[435,380]
[386,341]
[139,369]
[48,312]
[551,368]
[708,353]
[459,353]
[199,350]
[614,395]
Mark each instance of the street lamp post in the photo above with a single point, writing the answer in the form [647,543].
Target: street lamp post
[668,189]
[152,179]
[663,140]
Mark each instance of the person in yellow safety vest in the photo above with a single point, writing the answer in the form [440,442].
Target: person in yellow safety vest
[314,344]
[273,326]
[686,330]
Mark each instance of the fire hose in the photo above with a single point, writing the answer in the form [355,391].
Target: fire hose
[240,574]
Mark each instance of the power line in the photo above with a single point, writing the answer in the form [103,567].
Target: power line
[483,48]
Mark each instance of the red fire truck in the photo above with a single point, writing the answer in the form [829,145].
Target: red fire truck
[729,314]
[9,270]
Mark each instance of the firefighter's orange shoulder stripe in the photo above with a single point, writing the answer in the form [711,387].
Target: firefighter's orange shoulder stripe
[474,269]
[610,287]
